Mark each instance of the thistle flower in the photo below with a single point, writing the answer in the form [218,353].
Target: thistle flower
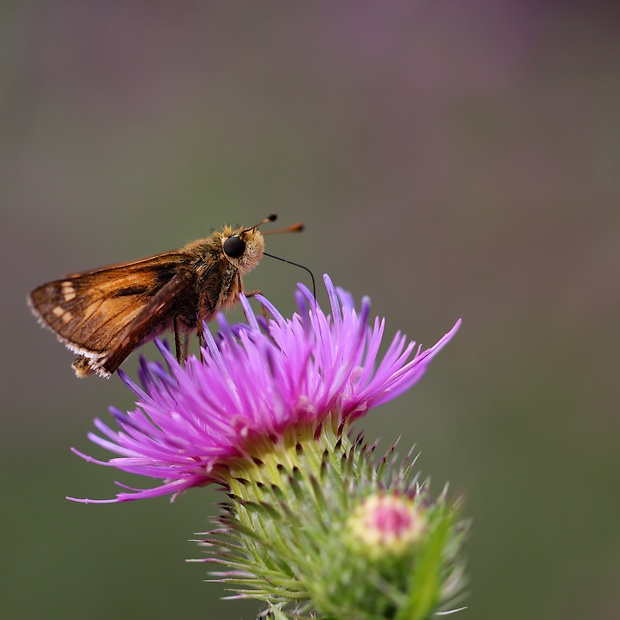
[314,523]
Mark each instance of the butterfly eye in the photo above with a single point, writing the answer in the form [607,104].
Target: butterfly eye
[234,246]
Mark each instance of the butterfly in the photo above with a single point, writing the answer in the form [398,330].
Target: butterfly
[103,315]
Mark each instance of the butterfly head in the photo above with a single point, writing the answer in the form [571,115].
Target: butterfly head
[243,247]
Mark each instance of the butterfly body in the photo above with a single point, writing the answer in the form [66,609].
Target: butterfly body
[103,315]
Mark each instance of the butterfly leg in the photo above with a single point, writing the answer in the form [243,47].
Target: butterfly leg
[177,339]
[202,314]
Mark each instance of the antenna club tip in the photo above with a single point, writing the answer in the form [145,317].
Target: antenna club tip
[272,218]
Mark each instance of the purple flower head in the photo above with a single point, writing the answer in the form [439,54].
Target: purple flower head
[257,381]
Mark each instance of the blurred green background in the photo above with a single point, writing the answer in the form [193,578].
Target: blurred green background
[449,159]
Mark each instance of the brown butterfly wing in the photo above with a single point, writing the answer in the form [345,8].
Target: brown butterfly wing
[93,312]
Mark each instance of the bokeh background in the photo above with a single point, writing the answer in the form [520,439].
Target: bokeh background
[449,159]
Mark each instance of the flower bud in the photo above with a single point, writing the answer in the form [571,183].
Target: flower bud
[385,525]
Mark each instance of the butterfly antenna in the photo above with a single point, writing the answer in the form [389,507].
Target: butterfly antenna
[270,218]
[294,228]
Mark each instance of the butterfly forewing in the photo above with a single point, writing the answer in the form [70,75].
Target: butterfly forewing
[91,312]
